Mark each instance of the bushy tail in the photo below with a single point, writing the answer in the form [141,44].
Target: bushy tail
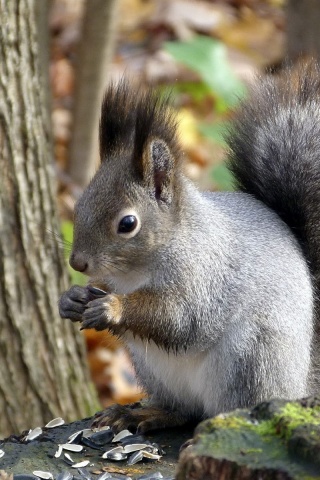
[275,153]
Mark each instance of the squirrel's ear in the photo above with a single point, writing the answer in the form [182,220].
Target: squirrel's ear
[158,167]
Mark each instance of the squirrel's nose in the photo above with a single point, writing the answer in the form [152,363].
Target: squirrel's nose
[78,261]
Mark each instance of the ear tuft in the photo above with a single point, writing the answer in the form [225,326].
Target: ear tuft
[161,168]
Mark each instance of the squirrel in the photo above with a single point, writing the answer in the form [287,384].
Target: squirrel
[214,294]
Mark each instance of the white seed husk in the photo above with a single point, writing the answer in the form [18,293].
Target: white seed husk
[33,434]
[151,456]
[113,450]
[72,447]
[1,453]
[86,432]
[41,474]
[67,456]
[55,422]
[58,452]
[121,435]
[134,447]
[81,464]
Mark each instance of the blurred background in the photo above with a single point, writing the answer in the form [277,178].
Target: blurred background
[205,53]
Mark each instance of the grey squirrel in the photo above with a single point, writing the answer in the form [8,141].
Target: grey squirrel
[214,294]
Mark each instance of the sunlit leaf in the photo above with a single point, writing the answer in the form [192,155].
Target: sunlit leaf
[208,57]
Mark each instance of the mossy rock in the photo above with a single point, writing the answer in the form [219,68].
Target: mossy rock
[275,440]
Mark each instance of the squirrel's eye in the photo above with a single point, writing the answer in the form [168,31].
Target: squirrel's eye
[127,224]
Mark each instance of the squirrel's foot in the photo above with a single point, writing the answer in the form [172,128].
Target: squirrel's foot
[138,418]
[73,303]
[102,313]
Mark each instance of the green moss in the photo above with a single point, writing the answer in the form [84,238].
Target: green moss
[293,415]
[264,443]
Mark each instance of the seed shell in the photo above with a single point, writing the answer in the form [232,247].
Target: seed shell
[24,476]
[72,447]
[121,435]
[67,457]
[103,437]
[104,475]
[134,447]
[116,456]
[41,474]
[75,437]
[135,457]
[150,476]
[81,464]
[84,473]
[64,476]
[1,453]
[151,456]
[33,434]
[55,422]
[58,452]
[113,450]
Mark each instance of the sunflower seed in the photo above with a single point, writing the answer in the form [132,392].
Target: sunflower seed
[36,432]
[41,474]
[116,456]
[81,464]
[135,457]
[150,455]
[134,447]
[72,447]
[55,422]
[136,438]
[67,457]
[113,450]
[89,443]
[64,476]
[1,453]
[24,476]
[58,452]
[104,475]
[102,437]
[121,435]
[98,292]
[76,436]
[84,473]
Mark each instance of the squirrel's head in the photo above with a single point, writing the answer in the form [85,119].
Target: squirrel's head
[130,210]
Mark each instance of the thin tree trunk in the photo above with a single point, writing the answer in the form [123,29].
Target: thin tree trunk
[303,29]
[42,358]
[94,57]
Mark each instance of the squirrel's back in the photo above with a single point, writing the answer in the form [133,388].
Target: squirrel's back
[275,153]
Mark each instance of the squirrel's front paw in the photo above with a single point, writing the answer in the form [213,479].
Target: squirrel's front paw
[138,417]
[102,313]
[73,302]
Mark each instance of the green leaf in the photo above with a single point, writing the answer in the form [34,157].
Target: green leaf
[67,234]
[223,177]
[215,131]
[208,57]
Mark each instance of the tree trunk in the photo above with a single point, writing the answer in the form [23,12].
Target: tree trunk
[42,358]
[95,52]
[303,29]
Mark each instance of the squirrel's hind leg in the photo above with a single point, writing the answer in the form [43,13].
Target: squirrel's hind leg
[138,417]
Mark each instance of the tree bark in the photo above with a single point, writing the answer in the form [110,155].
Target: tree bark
[94,57]
[303,37]
[43,373]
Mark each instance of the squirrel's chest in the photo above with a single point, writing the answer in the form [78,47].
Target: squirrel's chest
[183,376]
